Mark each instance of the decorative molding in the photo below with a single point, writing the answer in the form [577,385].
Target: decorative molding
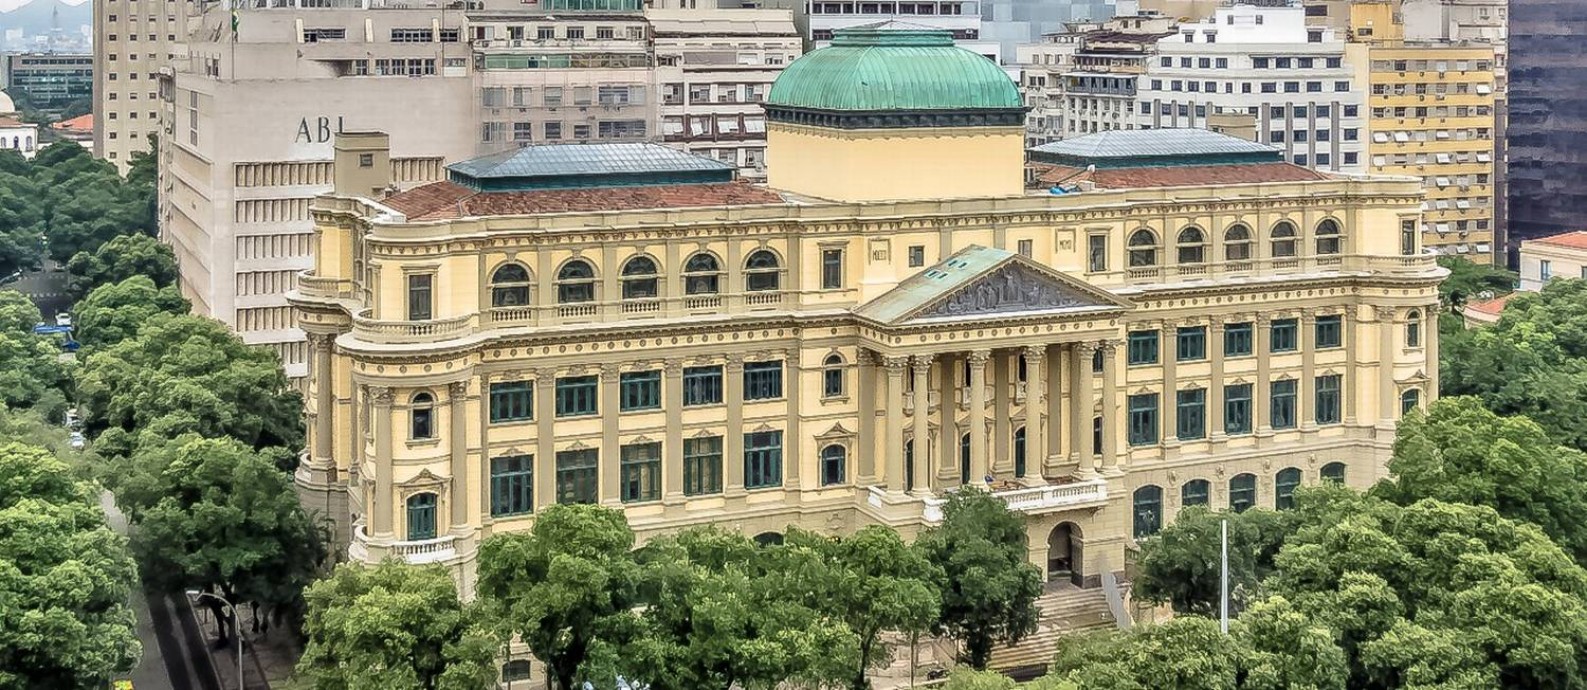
[1011,288]
[380,395]
[457,389]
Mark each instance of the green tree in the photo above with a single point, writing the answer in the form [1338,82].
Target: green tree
[114,312]
[970,679]
[1284,649]
[1460,452]
[568,588]
[18,314]
[32,375]
[987,584]
[21,221]
[190,373]
[1181,565]
[64,579]
[1185,653]
[1468,279]
[394,627]
[215,515]
[121,258]
[712,621]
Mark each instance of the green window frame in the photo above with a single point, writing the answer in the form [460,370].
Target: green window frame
[1330,332]
[578,396]
[1283,336]
[421,296]
[1284,484]
[1190,414]
[762,459]
[639,390]
[1148,511]
[1281,398]
[1196,492]
[1328,398]
[639,472]
[1238,340]
[1143,419]
[1237,409]
[1191,343]
[834,465]
[1333,472]
[702,385]
[512,401]
[421,516]
[763,380]
[702,465]
[1242,492]
[512,485]
[578,476]
[1142,348]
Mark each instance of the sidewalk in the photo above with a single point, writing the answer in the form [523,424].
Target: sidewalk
[268,658]
[151,672]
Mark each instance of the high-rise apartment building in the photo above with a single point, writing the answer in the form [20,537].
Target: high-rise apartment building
[1263,65]
[1086,80]
[1011,23]
[134,42]
[51,80]
[960,17]
[1547,118]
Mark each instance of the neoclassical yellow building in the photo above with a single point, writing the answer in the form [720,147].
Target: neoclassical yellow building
[1101,330]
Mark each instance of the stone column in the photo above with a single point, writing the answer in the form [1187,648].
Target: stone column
[1347,328]
[1430,316]
[1003,381]
[1037,457]
[324,403]
[1263,398]
[457,393]
[1170,405]
[895,421]
[545,469]
[672,448]
[483,381]
[611,454]
[948,420]
[1307,404]
[1215,389]
[977,416]
[733,445]
[865,397]
[793,462]
[1080,405]
[1059,401]
[921,367]
[1387,410]
[1110,406]
[380,522]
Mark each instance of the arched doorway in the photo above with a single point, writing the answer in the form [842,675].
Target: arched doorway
[768,539]
[1064,547]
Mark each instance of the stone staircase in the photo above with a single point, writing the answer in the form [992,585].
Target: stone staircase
[1065,610]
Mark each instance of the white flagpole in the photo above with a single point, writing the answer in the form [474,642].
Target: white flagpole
[1223,582]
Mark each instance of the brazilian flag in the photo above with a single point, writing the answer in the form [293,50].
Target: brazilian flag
[234,22]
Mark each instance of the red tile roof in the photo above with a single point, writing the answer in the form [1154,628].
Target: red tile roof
[1569,240]
[1178,176]
[442,200]
[81,123]
[11,122]
[1491,307]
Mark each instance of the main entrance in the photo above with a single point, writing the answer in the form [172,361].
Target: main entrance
[1064,549]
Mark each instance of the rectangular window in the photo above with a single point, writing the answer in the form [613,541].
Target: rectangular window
[512,485]
[1026,248]
[1283,336]
[702,385]
[1192,343]
[763,459]
[1237,409]
[1097,253]
[831,269]
[1142,348]
[1283,404]
[1143,419]
[1328,398]
[420,290]
[577,395]
[639,474]
[1330,331]
[1237,340]
[762,380]
[702,465]
[917,256]
[1191,418]
[512,401]
[641,390]
[577,479]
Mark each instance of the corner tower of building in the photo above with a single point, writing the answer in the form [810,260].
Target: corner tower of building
[890,112]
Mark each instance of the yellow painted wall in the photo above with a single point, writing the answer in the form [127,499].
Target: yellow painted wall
[886,165]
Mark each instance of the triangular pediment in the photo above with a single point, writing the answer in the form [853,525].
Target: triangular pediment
[980,282]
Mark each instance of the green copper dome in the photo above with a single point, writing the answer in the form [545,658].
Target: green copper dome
[878,69]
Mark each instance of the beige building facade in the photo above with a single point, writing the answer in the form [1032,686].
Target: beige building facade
[697,350]
[1558,256]
[135,42]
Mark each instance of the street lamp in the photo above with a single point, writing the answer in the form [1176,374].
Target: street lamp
[236,624]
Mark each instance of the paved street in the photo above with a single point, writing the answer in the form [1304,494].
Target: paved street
[47,288]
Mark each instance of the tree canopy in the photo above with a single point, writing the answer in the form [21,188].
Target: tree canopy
[123,257]
[114,312]
[988,585]
[1181,566]
[1469,279]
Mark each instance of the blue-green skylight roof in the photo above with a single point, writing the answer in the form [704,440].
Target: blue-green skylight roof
[565,166]
[1154,147]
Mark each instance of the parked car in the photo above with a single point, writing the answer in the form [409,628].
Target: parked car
[73,421]
[78,442]
[64,320]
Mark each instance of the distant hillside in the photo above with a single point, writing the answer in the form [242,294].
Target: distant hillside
[34,17]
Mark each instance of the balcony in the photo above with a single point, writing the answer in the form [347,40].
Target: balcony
[1268,268]
[314,287]
[1041,500]
[367,550]
[410,332]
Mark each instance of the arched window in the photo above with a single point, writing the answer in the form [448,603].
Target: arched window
[762,272]
[1284,484]
[421,517]
[1410,400]
[832,376]
[964,459]
[1196,492]
[576,282]
[1192,245]
[1143,248]
[834,464]
[509,286]
[1019,452]
[421,413]
[1242,492]
[515,670]
[702,275]
[1283,237]
[639,278]
[1237,243]
[1333,472]
[1329,240]
[1148,510]
[1413,328]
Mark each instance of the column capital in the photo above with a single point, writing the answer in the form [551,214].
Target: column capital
[672,367]
[1086,348]
[1263,320]
[864,357]
[978,358]
[1384,313]
[546,375]
[610,370]
[381,395]
[320,342]
[457,389]
[1308,317]
[735,364]
[922,362]
[1034,354]
[895,364]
